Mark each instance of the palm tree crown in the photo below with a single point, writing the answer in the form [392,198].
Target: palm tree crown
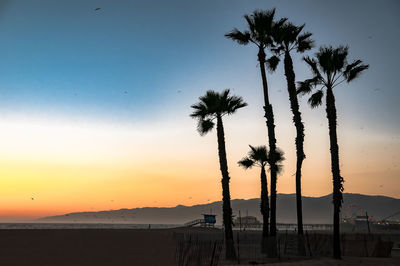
[212,105]
[333,63]
[261,26]
[259,156]
[286,38]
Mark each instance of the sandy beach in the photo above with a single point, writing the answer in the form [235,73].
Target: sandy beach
[44,247]
[86,247]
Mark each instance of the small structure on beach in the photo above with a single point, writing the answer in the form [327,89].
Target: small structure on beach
[208,220]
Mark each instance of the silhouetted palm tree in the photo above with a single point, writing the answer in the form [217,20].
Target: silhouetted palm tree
[261,26]
[258,156]
[288,38]
[330,68]
[211,108]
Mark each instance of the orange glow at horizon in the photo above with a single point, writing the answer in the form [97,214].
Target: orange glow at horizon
[69,168]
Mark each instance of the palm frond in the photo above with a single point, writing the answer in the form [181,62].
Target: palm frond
[355,72]
[304,36]
[213,103]
[324,58]
[351,66]
[231,104]
[313,65]
[316,99]
[304,42]
[200,110]
[279,168]
[250,24]
[242,38]
[354,69]
[258,154]
[246,163]
[332,59]
[279,30]
[280,22]
[306,86]
[204,126]
[277,49]
[277,157]
[260,24]
[272,63]
[288,35]
[339,58]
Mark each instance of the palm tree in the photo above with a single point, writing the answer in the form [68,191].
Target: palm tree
[330,68]
[210,109]
[258,156]
[261,26]
[288,38]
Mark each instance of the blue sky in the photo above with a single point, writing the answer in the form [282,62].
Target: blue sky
[130,59]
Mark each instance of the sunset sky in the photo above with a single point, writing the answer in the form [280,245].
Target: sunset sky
[94,105]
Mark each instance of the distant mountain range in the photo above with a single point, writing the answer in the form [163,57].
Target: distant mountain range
[315,210]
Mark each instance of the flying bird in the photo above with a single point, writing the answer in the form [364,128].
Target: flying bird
[32,198]
[96,9]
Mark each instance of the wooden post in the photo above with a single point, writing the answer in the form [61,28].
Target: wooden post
[366,216]
[238,249]
[240,222]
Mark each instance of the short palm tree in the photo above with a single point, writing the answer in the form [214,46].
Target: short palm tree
[288,38]
[259,157]
[330,68]
[210,110]
[261,26]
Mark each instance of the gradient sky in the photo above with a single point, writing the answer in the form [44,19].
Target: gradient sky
[94,105]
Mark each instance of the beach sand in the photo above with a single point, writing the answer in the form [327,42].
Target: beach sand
[118,247]
[86,247]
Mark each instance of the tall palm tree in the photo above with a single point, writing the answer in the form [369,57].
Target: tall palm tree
[288,38]
[210,109]
[261,26]
[259,157]
[330,68]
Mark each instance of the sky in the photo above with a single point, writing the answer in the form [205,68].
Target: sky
[94,105]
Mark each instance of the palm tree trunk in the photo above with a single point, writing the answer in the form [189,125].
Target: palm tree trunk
[294,105]
[269,115]
[264,208]
[226,197]
[337,179]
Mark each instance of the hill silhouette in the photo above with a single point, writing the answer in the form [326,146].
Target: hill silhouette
[315,210]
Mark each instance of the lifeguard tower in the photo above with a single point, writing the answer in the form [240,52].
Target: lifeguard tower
[208,220]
